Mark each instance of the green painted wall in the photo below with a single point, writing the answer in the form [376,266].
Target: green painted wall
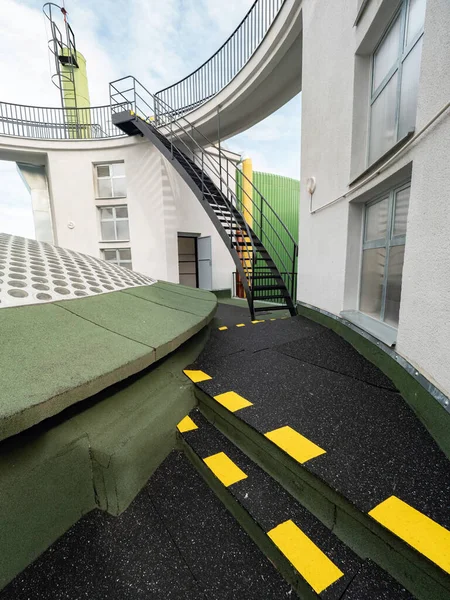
[283,195]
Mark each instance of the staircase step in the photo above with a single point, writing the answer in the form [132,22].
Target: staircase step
[257,288]
[270,308]
[308,555]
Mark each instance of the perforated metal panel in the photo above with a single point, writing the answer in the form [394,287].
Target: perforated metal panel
[36,272]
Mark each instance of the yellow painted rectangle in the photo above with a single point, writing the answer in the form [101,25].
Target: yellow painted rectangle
[261,321]
[240,325]
[232,401]
[416,529]
[224,469]
[309,560]
[196,376]
[294,444]
[186,424]
[223,328]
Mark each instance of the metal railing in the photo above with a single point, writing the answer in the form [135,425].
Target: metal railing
[39,122]
[184,136]
[217,72]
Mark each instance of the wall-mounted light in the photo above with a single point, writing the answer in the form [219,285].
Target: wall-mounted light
[311,185]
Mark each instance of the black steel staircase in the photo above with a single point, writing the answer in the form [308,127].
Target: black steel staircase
[267,271]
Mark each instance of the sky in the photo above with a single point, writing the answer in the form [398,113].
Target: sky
[158,42]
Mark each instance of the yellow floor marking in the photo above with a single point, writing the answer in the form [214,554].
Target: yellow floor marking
[196,376]
[418,530]
[186,424]
[294,444]
[224,469]
[318,570]
[232,401]
[261,321]
[273,319]
[223,328]
[240,325]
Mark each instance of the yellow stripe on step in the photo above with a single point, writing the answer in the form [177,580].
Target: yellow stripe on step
[416,529]
[232,401]
[260,321]
[294,444]
[196,376]
[309,560]
[186,424]
[240,325]
[223,328]
[224,469]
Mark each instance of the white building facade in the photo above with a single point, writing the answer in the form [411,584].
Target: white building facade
[121,200]
[374,216]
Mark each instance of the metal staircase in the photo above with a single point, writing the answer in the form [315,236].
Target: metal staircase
[266,263]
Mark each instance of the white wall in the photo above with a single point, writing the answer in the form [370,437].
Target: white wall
[333,142]
[159,203]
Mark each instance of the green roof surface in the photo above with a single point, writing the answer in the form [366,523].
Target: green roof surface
[56,354]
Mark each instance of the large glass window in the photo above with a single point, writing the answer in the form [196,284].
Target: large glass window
[395,79]
[114,223]
[111,180]
[119,256]
[383,255]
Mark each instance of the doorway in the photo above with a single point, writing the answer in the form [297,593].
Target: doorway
[194,261]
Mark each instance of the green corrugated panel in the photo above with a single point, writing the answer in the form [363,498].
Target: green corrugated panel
[283,196]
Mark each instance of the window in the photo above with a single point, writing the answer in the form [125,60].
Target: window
[395,79]
[383,254]
[114,223]
[111,181]
[120,257]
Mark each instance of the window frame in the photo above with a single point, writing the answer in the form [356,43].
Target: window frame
[389,241]
[404,51]
[109,178]
[114,220]
[118,263]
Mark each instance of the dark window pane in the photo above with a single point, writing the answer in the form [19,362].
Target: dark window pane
[401,211]
[383,130]
[409,90]
[376,220]
[394,285]
[108,231]
[374,261]
[125,254]
[387,54]
[103,171]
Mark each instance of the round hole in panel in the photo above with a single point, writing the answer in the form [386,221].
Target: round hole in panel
[41,286]
[18,293]
[17,270]
[42,296]
[39,279]
[17,276]
[61,290]
[61,282]
[76,279]
[17,284]
[79,286]
[108,287]
[96,290]
[80,293]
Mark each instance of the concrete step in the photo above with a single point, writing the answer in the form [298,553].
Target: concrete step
[308,555]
